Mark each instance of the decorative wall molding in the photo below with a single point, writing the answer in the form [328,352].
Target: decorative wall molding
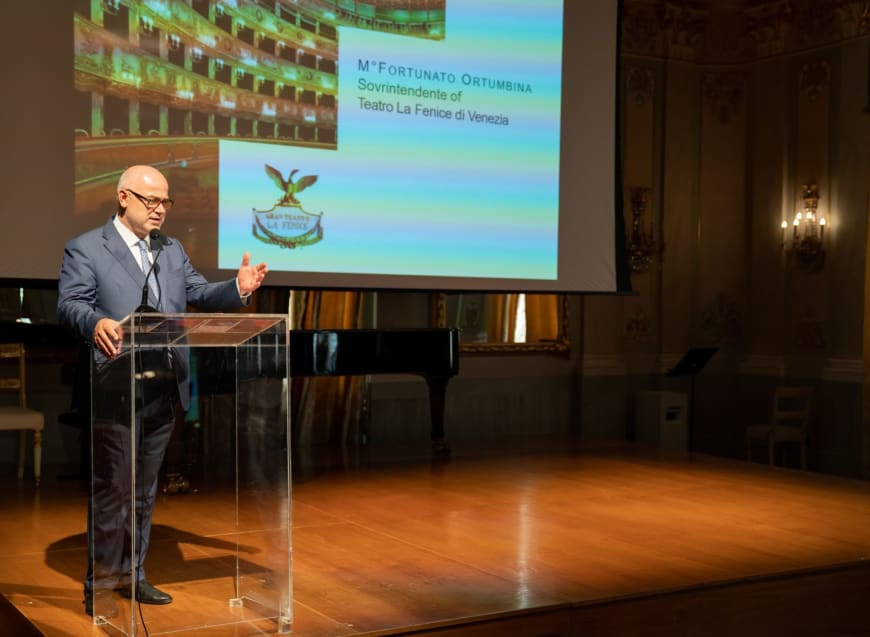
[638,327]
[641,28]
[738,31]
[684,25]
[763,365]
[724,92]
[641,84]
[817,23]
[843,370]
[815,78]
[604,365]
[810,331]
[863,19]
[854,17]
[721,321]
[768,25]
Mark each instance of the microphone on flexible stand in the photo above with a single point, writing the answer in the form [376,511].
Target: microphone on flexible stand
[159,241]
[146,369]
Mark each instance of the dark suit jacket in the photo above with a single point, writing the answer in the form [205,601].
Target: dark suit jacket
[99,278]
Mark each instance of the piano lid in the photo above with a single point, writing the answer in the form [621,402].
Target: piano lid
[425,351]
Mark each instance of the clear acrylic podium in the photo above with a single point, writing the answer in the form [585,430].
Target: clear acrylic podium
[224,550]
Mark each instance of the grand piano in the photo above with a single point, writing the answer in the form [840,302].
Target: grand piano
[432,353]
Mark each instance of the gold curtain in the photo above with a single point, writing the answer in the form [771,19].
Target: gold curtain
[501,311]
[326,409]
[542,317]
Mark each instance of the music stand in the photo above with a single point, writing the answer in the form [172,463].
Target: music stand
[691,364]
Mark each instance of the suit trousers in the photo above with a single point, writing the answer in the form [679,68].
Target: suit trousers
[126,465]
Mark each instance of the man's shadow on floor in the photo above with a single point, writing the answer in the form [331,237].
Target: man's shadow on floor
[166,559]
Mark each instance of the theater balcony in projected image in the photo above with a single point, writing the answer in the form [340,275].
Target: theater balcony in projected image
[262,72]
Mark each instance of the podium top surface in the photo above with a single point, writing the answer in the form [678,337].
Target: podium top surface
[200,330]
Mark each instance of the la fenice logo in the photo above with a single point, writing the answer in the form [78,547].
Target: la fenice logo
[287,223]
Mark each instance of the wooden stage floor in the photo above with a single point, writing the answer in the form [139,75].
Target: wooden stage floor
[467,546]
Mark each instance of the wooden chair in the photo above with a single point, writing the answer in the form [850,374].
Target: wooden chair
[789,423]
[14,414]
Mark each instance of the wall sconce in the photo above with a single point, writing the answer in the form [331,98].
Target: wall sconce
[146,24]
[808,232]
[641,244]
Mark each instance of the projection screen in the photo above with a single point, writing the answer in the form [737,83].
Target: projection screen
[396,144]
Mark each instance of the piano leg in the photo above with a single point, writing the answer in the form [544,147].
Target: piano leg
[437,396]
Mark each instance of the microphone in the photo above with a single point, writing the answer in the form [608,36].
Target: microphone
[157,241]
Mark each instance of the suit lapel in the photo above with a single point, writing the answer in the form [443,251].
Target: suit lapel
[116,246]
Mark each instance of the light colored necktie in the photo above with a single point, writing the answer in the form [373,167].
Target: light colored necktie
[152,280]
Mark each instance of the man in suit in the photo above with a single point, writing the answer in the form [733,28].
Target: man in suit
[101,281]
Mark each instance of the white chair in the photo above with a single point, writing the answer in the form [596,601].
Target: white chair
[789,423]
[14,414]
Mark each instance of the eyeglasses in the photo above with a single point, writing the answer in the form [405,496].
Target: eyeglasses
[151,202]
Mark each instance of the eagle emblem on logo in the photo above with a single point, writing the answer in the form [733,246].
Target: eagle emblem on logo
[287,224]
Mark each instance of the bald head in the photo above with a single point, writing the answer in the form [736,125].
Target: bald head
[143,199]
[142,177]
